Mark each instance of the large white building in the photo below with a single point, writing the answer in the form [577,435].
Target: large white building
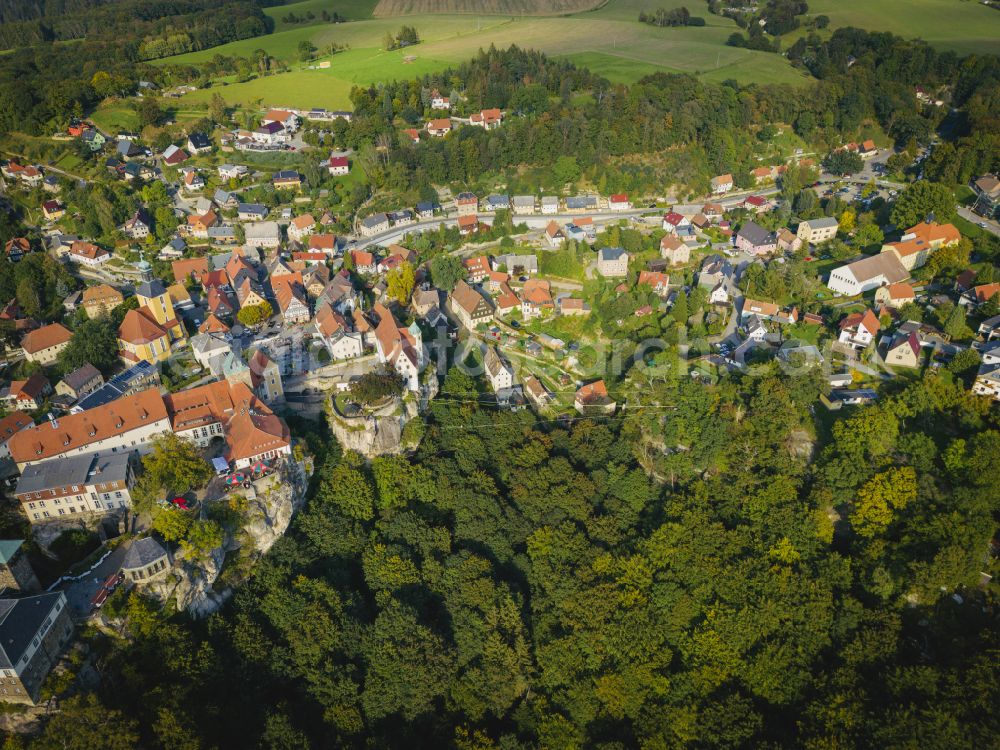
[865,274]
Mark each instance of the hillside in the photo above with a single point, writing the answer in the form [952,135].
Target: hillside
[386,8]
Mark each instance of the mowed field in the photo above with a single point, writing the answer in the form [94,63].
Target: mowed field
[389,8]
[966,27]
[622,50]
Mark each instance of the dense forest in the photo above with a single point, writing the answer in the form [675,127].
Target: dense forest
[521,583]
[153,29]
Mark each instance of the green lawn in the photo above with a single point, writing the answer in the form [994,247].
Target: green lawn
[965,27]
[115,117]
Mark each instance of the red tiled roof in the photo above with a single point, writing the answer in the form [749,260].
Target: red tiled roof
[45,337]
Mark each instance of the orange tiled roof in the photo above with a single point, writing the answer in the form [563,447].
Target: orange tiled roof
[45,337]
[74,431]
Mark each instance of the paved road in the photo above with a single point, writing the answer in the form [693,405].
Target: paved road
[993,227]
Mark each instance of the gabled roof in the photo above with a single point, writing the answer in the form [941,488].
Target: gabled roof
[213,325]
[102,294]
[13,423]
[45,337]
[74,431]
[139,327]
[468,298]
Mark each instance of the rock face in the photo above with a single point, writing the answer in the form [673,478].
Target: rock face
[381,433]
[190,584]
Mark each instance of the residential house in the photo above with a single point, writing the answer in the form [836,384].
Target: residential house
[413,134]
[612,262]
[10,425]
[867,273]
[554,236]
[262,234]
[990,328]
[251,211]
[756,204]
[918,242]
[212,324]
[673,220]
[199,224]
[375,224]
[138,226]
[324,243]
[903,351]
[815,231]
[27,394]
[125,424]
[301,227]
[398,347]
[498,371]
[34,631]
[593,399]
[987,189]
[210,349]
[77,486]
[136,378]
[290,294]
[286,179]
[516,265]
[536,298]
[713,212]
[438,101]
[788,242]
[88,254]
[16,248]
[655,280]
[250,293]
[53,210]
[894,295]
[426,209]
[44,344]
[619,202]
[523,204]
[467,204]
[867,149]
[754,239]
[172,155]
[80,382]
[721,184]
[337,333]
[364,262]
[858,330]
[193,181]
[495,202]
[439,127]
[477,268]
[488,119]
[987,382]
[468,224]
[287,119]
[550,204]
[94,139]
[100,300]
[469,305]
[338,166]
[199,143]
[535,391]
[233,171]
[572,306]
[674,250]
[260,373]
